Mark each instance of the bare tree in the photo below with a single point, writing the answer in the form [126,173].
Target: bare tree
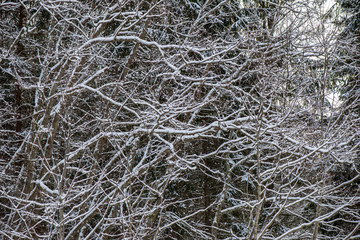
[185,119]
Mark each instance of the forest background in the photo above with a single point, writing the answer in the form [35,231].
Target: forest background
[179,119]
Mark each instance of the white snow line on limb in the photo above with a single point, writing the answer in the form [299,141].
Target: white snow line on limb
[86,144]
[186,217]
[46,188]
[318,219]
[109,99]
[128,39]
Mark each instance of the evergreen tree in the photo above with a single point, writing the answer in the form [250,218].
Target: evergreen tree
[350,64]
